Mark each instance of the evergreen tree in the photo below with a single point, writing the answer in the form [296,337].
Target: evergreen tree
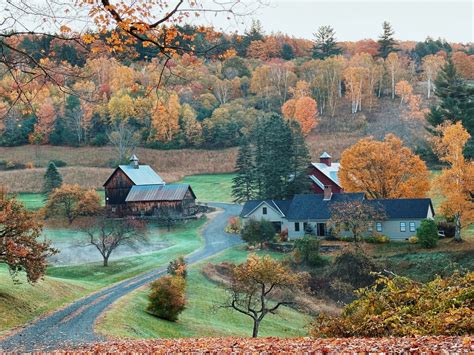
[455,103]
[243,184]
[299,161]
[287,52]
[52,178]
[325,43]
[386,41]
[255,33]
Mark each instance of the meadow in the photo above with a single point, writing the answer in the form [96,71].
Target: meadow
[202,317]
[20,303]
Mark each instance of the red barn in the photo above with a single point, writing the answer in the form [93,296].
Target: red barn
[325,174]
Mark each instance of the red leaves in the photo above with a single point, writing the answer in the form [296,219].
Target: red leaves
[274,345]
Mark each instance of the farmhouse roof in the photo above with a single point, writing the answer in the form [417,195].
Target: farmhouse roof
[315,207]
[329,171]
[144,175]
[280,206]
[415,208]
[174,192]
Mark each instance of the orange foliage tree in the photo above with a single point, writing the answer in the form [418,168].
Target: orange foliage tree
[304,110]
[383,169]
[404,90]
[432,64]
[456,182]
[20,248]
[464,64]
[165,118]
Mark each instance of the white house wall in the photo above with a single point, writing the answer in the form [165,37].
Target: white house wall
[272,215]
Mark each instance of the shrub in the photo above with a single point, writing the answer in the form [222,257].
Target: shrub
[29,165]
[307,251]
[10,165]
[400,307]
[258,232]
[427,233]
[413,239]
[377,239]
[59,163]
[177,267]
[167,297]
[233,226]
[447,227]
[283,236]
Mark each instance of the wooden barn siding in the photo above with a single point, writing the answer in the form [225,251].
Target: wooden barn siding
[325,180]
[117,188]
[185,207]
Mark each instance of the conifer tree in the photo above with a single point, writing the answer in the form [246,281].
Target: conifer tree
[52,178]
[243,185]
[386,41]
[325,45]
[299,181]
[455,103]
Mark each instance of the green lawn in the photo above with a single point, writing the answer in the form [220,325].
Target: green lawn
[211,187]
[62,285]
[34,201]
[127,318]
[19,303]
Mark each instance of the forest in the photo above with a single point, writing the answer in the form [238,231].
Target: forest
[212,97]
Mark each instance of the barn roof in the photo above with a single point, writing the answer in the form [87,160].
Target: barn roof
[143,175]
[330,171]
[174,192]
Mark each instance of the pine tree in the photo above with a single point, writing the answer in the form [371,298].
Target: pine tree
[299,161]
[387,42]
[287,52]
[243,185]
[455,103]
[325,43]
[52,178]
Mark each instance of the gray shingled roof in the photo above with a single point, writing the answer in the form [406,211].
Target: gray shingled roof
[415,208]
[144,175]
[174,192]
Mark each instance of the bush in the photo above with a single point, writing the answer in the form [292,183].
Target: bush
[307,252]
[233,226]
[59,163]
[167,297]
[177,267]
[377,239]
[29,165]
[258,232]
[283,236]
[427,234]
[413,239]
[401,307]
[10,165]
[448,228]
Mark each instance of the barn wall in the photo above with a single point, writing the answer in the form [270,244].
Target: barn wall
[325,180]
[117,188]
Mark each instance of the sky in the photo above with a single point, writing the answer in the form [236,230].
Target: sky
[355,19]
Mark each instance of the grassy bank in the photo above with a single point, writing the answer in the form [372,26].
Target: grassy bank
[62,285]
[201,318]
[211,187]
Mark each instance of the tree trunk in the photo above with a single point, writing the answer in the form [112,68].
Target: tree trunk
[256,324]
[106,261]
[457,230]
[429,87]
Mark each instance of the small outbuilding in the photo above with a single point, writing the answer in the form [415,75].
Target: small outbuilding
[137,190]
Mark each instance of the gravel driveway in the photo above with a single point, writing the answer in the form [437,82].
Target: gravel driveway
[74,325]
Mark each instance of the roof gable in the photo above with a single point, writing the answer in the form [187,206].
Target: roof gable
[279,206]
[144,175]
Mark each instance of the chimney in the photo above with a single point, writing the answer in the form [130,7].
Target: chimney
[325,158]
[327,193]
[134,161]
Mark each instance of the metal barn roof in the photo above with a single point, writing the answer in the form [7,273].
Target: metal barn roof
[174,192]
[143,175]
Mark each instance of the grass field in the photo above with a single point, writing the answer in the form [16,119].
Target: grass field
[23,302]
[127,318]
[35,201]
[211,187]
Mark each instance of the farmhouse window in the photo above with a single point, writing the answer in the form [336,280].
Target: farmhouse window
[264,210]
[378,226]
[403,227]
[297,226]
[370,227]
[412,227]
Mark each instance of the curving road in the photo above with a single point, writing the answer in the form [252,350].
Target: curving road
[74,325]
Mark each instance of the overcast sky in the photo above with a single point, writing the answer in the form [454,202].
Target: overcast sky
[355,19]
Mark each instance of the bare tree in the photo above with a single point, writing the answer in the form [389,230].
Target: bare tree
[355,217]
[260,286]
[124,138]
[108,234]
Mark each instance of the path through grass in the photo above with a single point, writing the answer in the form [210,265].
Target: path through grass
[201,318]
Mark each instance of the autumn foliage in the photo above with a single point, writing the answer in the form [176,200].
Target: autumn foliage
[383,169]
[20,248]
[400,307]
[167,297]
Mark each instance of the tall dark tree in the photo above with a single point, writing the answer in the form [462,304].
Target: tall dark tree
[52,178]
[254,33]
[287,52]
[300,157]
[243,185]
[456,103]
[386,41]
[325,44]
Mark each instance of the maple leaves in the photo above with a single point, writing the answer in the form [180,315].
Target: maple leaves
[384,169]
[302,108]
